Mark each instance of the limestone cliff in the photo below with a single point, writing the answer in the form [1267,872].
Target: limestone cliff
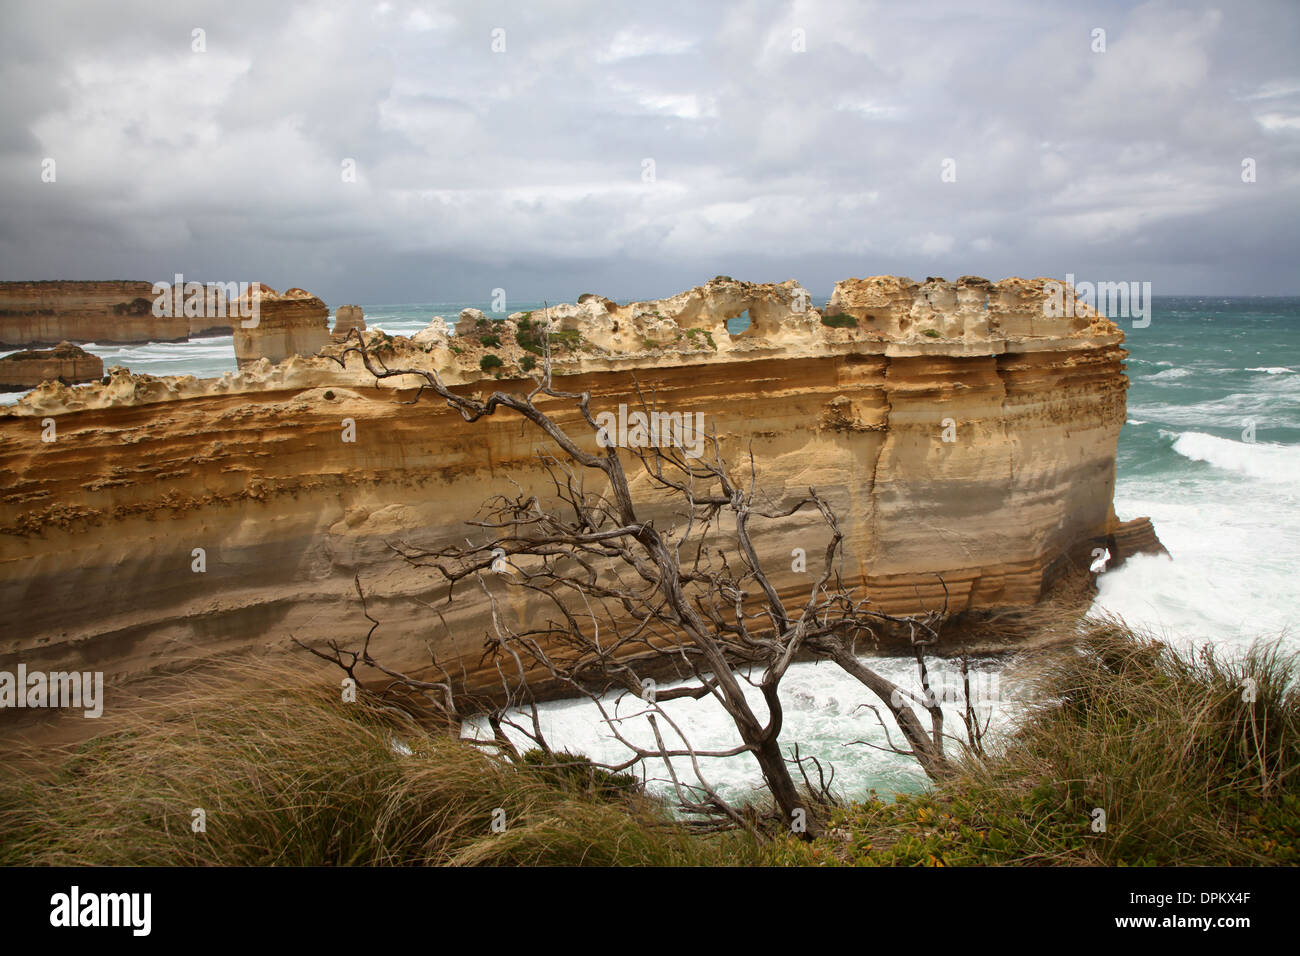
[46,313]
[957,432]
[64,363]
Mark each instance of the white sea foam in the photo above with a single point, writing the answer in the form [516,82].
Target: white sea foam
[822,712]
[1270,370]
[1227,411]
[1214,589]
[1261,460]
[1170,373]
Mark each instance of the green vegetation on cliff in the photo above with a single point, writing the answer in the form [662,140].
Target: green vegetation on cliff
[1135,755]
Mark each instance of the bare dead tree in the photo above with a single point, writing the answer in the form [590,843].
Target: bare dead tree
[440,701]
[629,602]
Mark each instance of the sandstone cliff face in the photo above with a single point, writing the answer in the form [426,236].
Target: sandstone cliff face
[956,431]
[292,323]
[46,313]
[65,362]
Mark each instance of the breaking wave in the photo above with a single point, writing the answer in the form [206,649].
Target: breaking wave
[1261,460]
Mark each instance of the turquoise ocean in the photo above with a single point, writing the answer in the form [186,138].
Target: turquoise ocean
[1210,451]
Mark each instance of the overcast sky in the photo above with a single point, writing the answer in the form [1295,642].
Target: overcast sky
[526,169]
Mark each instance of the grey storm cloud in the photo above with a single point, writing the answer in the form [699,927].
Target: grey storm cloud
[802,140]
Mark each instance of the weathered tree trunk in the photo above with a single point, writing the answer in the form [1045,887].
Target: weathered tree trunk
[927,751]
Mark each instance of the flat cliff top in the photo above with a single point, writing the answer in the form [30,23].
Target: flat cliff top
[879,315]
[64,350]
[71,285]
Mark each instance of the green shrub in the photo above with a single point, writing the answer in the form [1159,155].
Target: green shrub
[696,335]
[840,320]
[566,338]
[529,337]
[931,333]
[528,363]
[1187,770]
[490,361]
[490,341]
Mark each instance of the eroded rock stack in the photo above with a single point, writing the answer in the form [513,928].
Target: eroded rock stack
[347,318]
[294,322]
[1128,538]
[65,363]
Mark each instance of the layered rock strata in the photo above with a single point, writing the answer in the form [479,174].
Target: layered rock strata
[1124,539]
[965,440]
[47,313]
[66,363]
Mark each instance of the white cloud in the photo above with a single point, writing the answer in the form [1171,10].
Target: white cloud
[633,43]
[932,244]
[681,105]
[422,21]
[868,108]
[1278,121]
[532,157]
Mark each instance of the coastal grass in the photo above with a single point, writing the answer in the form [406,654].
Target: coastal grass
[296,777]
[1192,758]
